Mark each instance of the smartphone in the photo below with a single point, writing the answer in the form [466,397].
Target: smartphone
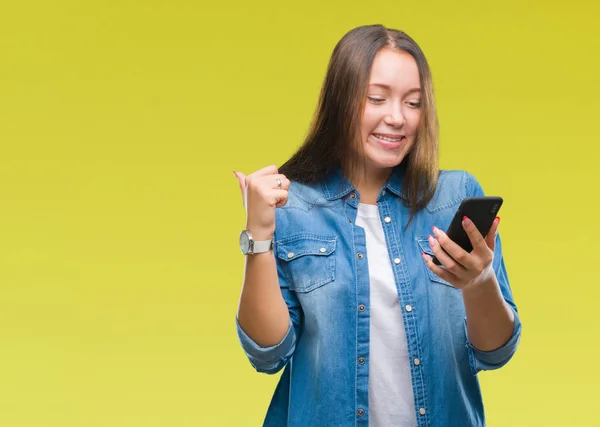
[481,210]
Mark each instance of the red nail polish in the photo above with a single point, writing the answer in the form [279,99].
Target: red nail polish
[498,218]
[234,173]
[464,217]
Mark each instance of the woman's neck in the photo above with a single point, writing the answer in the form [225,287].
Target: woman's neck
[369,185]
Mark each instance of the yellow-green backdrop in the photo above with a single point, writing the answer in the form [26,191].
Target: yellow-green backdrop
[120,124]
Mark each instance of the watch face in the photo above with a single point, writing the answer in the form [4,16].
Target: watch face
[244,242]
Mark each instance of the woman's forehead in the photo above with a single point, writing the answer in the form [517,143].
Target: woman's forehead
[394,69]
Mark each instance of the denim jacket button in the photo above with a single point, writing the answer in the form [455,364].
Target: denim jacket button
[387,219]
[361,360]
[360,412]
[422,411]
[359,255]
[408,308]
[361,307]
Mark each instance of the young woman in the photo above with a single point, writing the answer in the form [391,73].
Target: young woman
[340,289]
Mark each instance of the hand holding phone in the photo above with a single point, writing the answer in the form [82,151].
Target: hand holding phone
[481,211]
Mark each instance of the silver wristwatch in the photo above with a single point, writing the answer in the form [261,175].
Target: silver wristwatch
[249,246]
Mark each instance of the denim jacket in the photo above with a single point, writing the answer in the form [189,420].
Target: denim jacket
[323,274]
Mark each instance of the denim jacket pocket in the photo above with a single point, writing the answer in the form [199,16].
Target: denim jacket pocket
[424,247]
[308,261]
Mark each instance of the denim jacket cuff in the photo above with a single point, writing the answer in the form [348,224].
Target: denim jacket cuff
[267,359]
[488,360]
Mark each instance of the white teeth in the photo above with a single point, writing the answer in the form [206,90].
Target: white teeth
[385,138]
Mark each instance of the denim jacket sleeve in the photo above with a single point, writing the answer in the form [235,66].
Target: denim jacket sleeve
[489,360]
[271,360]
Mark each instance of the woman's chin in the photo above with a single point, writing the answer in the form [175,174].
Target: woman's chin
[384,158]
[386,162]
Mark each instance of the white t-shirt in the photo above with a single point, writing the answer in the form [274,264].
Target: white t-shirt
[391,400]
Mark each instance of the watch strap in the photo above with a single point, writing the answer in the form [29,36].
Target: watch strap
[260,246]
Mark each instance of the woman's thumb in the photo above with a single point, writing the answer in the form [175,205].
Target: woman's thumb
[241,178]
[242,181]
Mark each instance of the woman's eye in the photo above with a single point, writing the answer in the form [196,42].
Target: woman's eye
[375,100]
[414,104]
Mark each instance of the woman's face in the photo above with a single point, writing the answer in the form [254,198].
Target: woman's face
[392,110]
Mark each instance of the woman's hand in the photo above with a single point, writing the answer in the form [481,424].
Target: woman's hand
[463,269]
[262,192]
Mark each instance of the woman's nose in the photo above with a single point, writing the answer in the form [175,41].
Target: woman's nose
[394,119]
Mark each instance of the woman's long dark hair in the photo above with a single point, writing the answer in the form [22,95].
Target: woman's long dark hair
[334,138]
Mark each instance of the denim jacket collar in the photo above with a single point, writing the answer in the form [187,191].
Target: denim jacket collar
[336,185]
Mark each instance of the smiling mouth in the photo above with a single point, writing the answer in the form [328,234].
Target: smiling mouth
[389,138]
